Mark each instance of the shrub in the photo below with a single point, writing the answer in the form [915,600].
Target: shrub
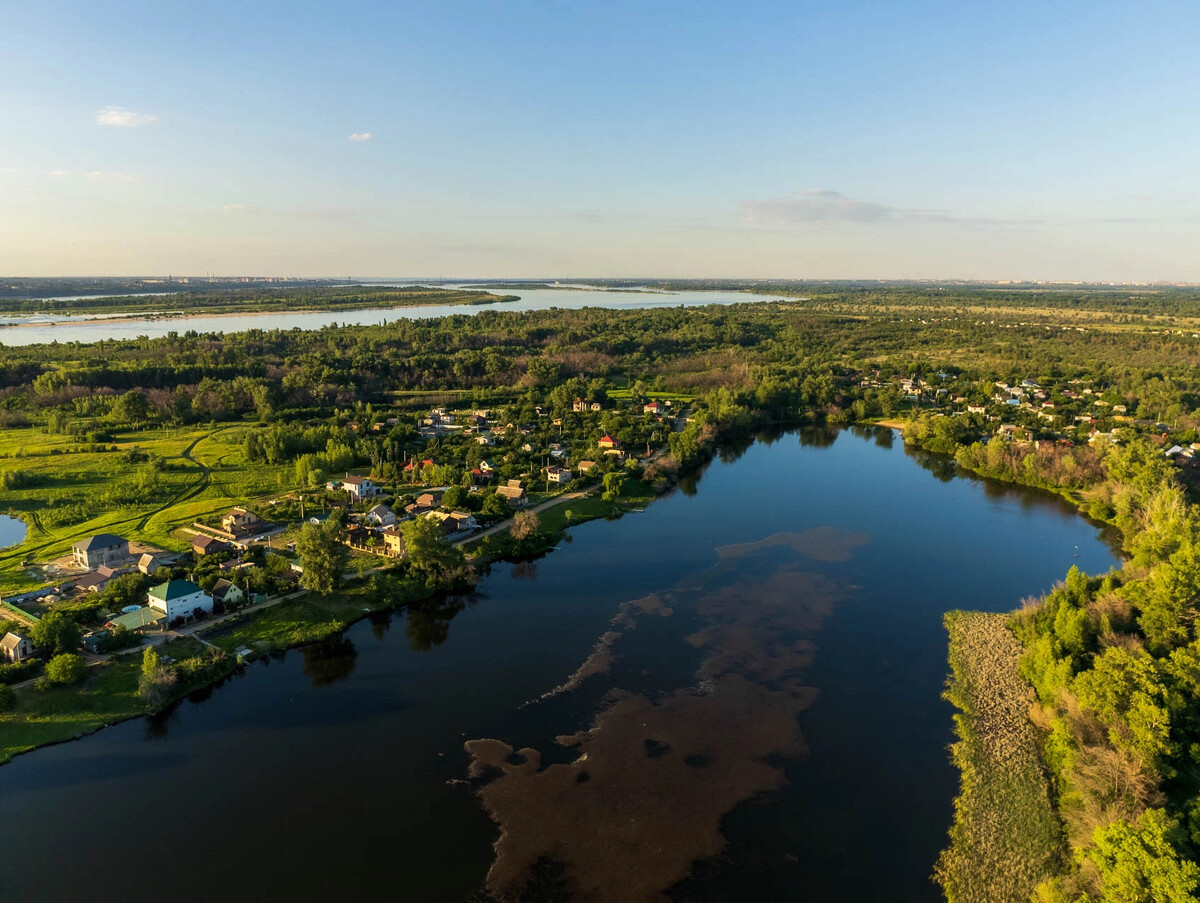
[65,669]
[19,671]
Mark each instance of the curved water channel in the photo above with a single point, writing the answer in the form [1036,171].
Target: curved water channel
[755,663]
[41,328]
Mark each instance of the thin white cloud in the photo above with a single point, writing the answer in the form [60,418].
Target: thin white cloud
[94,175]
[822,206]
[361,136]
[123,117]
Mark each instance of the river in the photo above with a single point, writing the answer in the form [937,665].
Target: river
[763,658]
[41,328]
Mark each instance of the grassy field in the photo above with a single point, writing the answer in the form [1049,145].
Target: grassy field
[305,619]
[72,490]
[1006,838]
[109,694]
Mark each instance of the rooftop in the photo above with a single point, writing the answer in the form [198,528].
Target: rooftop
[174,589]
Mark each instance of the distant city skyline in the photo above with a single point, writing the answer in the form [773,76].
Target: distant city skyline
[918,140]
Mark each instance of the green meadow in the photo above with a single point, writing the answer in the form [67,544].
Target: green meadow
[143,485]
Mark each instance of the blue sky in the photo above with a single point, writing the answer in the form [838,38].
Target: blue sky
[789,139]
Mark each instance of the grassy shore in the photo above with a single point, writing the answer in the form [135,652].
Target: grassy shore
[108,694]
[1006,837]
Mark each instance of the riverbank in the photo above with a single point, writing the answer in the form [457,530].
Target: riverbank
[1006,836]
[205,657]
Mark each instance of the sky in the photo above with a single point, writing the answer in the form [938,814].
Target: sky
[820,140]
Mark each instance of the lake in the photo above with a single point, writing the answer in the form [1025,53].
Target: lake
[41,328]
[751,668]
[12,531]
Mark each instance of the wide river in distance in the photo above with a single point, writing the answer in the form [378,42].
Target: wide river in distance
[732,695]
[36,329]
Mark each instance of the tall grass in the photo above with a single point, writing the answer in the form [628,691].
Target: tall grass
[1006,838]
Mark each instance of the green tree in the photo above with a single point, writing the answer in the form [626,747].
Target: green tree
[454,498]
[612,485]
[1141,863]
[494,505]
[155,681]
[323,556]
[55,634]
[66,669]
[428,556]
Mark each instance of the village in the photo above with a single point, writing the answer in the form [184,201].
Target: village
[476,470]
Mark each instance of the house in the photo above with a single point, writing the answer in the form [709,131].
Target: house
[381,516]
[1174,450]
[15,648]
[228,593]
[239,520]
[585,466]
[140,619]
[103,548]
[463,520]
[333,485]
[558,474]
[513,494]
[207,545]
[413,467]
[179,599]
[558,450]
[393,541]
[579,405]
[976,409]
[149,563]
[607,441]
[96,581]
[652,407]
[444,520]
[361,487]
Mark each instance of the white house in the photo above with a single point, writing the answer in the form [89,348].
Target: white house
[15,648]
[381,516]
[179,599]
[361,487]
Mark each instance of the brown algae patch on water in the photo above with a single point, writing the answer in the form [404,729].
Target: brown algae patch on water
[602,658]
[831,544]
[653,778]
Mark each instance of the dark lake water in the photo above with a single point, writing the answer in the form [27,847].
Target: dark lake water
[336,771]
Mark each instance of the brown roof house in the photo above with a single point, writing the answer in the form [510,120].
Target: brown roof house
[207,545]
[513,494]
[239,520]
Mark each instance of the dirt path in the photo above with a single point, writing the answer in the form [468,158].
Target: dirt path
[505,524]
